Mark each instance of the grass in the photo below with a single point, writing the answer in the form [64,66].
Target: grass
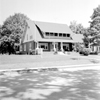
[34,61]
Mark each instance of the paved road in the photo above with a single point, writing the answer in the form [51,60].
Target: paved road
[81,83]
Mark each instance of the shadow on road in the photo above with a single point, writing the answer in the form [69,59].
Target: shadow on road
[51,85]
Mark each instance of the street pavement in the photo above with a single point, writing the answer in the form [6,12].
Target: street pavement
[73,83]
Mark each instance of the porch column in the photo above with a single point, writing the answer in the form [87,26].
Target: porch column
[37,46]
[54,48]
[61,45]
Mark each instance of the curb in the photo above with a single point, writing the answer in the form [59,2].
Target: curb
[53,68]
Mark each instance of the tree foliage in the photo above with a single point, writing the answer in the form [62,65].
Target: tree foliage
[76,28]
[95,25]
[17,25]
[79,29]
[12,31]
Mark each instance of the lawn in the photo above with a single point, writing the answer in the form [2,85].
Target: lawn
[35,61]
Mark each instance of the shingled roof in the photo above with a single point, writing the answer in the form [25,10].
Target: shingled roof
[53,27]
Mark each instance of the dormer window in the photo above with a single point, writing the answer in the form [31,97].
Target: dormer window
[68,35]
[64,35]
[51,34]
[47,33]
[55,34]
[60,34]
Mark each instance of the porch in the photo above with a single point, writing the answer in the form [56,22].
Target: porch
[55,46]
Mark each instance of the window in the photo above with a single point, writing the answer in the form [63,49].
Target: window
[44,46]
[51,34]
[47,33]
[64,35]
[31,37]
[55,34]
[60,34]
[68,35]
[24,47]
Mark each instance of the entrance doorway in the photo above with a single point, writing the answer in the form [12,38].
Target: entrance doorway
[66,47]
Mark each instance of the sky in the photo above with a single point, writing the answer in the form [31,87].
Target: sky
[56,11]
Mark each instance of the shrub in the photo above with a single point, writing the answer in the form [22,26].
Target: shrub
[81,50]
[94,53]
[84,51]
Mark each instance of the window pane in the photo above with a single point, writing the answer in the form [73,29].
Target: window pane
[51,34]
[47,33]
[68,35]
[31,37]
[64,35]
[55,34]
[42,46]
[60,34]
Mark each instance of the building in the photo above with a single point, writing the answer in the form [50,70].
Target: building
[49,36]
[95,46]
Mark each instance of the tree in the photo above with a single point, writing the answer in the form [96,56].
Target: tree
[76,28]
[12,31]
[79,29]
[95,25]
[73,26]
[17,25]
[0,31]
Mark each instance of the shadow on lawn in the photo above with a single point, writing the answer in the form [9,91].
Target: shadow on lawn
[94,61]
[55,85]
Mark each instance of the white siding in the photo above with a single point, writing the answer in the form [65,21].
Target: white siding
[24,47]
[28,36]
[30,46]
